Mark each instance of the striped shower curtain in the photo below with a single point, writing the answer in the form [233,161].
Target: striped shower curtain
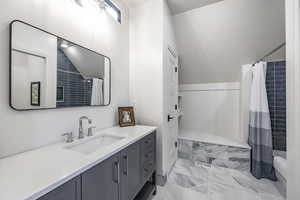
[260,133]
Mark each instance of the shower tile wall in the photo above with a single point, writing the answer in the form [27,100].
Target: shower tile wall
[276,91]
[77,91]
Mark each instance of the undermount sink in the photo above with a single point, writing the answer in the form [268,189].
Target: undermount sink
[94,144]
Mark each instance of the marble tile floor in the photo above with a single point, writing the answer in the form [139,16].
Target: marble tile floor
[208,182]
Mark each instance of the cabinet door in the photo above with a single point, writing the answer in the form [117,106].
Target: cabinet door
[130,172]
[102,181]
[68,191]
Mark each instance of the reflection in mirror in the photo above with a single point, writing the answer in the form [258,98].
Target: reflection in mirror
[50,72]
[82,76]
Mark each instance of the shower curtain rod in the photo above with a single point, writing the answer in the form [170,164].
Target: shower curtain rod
[270,53]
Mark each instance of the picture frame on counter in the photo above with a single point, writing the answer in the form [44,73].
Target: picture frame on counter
[126,116]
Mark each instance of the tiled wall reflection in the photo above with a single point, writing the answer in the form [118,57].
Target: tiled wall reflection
[276,90]
[76,90]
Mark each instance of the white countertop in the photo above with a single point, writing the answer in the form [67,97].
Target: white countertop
[32,174]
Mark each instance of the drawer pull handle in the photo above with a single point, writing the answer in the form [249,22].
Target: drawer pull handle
[125,171]
[116,172]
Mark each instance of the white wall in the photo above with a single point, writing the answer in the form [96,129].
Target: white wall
[215,40]
[20,131]
[169,129]
[245,96]
[30,40]
[88,63]
[27,69]
[293,97]
[151,32]
[146,66]
[210,109]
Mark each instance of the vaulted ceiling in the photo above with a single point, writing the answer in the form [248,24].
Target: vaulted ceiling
[178,6]
[133,3]
[215,41]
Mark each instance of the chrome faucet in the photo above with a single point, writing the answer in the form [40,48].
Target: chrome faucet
[81,133]
[90,131]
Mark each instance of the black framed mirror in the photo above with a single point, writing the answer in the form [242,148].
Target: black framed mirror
[48,72]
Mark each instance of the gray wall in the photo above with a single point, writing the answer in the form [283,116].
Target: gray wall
[215,40]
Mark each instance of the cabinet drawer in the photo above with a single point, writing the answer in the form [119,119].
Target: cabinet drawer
[148,143]
[147,170]
[68,191]
[148,156]
[149,166]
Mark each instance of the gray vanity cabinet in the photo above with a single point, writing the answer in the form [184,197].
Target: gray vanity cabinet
[122,176]
[130,172]
[148,157]
[102,181]
[68,191]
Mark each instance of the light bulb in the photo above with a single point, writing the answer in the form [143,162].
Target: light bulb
[102,4]
[64,44]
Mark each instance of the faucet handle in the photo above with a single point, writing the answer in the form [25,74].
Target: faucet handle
[90,131]
[69,137]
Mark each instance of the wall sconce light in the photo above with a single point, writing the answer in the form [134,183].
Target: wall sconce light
[63,44]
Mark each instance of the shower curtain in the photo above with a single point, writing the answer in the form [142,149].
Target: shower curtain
[260,133]
[97,92]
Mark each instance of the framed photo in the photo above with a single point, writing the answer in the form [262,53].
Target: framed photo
[35,95]
[60,94]
[126,116]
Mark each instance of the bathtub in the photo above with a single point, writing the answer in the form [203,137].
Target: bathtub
[210,138]
[213,150]
[280,165]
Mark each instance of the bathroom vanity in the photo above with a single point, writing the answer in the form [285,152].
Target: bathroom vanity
[122,168]
[50,72]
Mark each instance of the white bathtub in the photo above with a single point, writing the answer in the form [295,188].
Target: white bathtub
[213,150]
[209,138]
[280,165]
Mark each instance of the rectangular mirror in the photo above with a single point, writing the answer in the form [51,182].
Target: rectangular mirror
[47,71]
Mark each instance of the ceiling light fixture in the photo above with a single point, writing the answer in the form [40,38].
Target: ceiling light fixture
[79,2]
[102,4]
